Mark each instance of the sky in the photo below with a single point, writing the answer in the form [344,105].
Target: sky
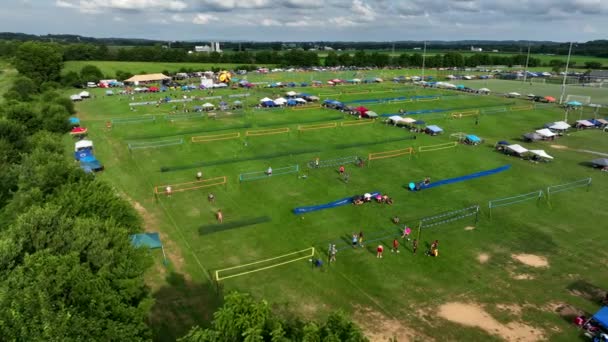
[312,20]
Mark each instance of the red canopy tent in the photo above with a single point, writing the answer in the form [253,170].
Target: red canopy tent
[550,98]
[153,89]
[336,80]
[362,110]
[78,131]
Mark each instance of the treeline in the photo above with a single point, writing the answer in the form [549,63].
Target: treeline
[292,57]
[598,48]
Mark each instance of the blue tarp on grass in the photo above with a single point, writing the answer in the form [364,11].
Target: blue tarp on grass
[334,204]
[466,177]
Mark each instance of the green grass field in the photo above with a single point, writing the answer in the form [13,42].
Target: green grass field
[401,294]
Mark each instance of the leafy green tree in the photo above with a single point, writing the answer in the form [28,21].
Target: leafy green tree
[25,114]
[71,79]
[332,59]
[55,118]
[593,65]
[24,88]
[49,85]
[90,73]
[39,61]
[66,103]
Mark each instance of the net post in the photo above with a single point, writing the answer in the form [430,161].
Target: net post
[419,230]
[476,214]
[490,209]
[589,184]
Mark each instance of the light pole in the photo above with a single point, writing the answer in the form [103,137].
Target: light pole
[561,97]
[423,60]
[527,61]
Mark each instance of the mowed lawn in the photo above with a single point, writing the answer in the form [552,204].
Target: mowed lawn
[401,294]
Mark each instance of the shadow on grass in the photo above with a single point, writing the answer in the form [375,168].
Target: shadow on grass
[584,289]
[179,306]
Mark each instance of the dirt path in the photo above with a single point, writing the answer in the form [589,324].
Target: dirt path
[531,260]
[473,315]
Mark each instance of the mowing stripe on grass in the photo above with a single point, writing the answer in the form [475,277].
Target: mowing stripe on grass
[214,228]
[345,146]
[197,131]
[237,160]
[283,123]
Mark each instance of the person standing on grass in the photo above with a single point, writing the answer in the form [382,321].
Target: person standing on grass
[406,232]
[199,175]
[414,246]
[168,191]
[355,239]
[379,251]
[211,197]
[219,216]
[269,171]
[341,169]
[317,162]
[395,246]
[332,253]
[361,239]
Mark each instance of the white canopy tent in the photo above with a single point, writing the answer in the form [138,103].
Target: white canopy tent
[84,94]
[484,90]
[514,94]
[82,144]
[560,126]
[75,97]
[585,123]
[541,153]
[291,93]
[300,100]
[266,99]
[280,101]
[517,148]
[545,132]
[208,105]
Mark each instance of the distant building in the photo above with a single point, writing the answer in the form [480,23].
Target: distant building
[494,50]
[417,48]
[474,49]
[214,47]
[328,48]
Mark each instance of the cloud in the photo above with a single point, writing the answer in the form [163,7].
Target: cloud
[204,19]
[342,22]
[589,29]
[118,19]
[360,8]
[229,5]
[270,22]
[97,6]
[177,18]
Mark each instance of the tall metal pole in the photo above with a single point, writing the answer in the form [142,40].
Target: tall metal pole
[561,98]
[423,60]
[527,60]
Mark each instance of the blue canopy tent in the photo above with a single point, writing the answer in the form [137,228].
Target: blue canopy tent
[74,121]
[419,122]
[472,139]
[269,104]
[574,103]
[303,84]
[150,240]
[460,86]
[433,129]
[292,102]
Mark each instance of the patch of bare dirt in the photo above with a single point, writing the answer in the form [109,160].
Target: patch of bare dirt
[173,253]
[563,309]
[377,327]
[522,276]
[473,315]
[469,228]
[531,260]
[483,258]
[559,147]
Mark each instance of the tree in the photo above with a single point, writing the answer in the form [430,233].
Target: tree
[90,73]
[39,61]
[71,79]
[593,65]
[55,118]
[241,318]
[332,59]
[24,88]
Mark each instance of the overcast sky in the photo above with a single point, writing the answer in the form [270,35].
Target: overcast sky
[306,20]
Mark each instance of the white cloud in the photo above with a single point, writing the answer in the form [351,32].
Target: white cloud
[65,4]
[96,6]
[227,5]
[118,18]
[363,9]
[589,29]
[270,22]
[341,22]
[178,18]
[204,19]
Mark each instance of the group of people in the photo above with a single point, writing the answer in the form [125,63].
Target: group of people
[367,197]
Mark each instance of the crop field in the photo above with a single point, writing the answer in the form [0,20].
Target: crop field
[514,271]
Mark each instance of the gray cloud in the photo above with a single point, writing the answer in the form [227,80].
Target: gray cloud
[560,20]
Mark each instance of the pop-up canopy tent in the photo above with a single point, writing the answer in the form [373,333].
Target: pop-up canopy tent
[601,317]
[433,129]
[550,99]
[82,144]
[74,121]
[149,240]
[514,94]
[545,133]
[559,126]
[584,123]
[484,90]
[78,131]
[266,99]
[75,97]
[541,154]
[517,149]
[84,94]
[574,103]
[601,162]
[473,139]
[370,114]
[532,136]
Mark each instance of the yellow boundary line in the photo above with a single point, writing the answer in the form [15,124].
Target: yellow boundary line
[437,147]
[458,115]
[260,132]
[356,123]
[306,107]
[217,273]
[427,99]
[390,154]
[160,189]
[518,108]
[215,137]
[318,126]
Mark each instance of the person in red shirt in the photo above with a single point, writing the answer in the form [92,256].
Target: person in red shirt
[341,169]
[395,246]
[379,251]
